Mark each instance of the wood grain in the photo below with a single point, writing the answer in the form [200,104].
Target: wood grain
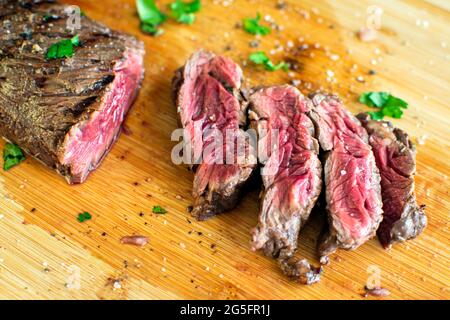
[42,243]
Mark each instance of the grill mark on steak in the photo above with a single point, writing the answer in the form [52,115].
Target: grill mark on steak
[351,177]
[207,94]
[81,107]
[43,103]
[396,159]
[292,180]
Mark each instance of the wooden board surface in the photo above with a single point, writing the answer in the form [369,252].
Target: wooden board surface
[44,250]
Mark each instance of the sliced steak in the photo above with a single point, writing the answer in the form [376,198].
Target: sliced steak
[66,113]
[291,174]
[352,179]
[209,101]
[396,159]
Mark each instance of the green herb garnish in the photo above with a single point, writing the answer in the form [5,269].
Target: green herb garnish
[63,48]
[159,210]
[251,25]
[183,12]
[151,17]
[82,217]
[389,105]
[12,156]
[262,58]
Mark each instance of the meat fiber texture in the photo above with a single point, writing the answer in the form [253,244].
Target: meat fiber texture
[396,159]
[68,112]
[291,175]
[352,179]
[209,101]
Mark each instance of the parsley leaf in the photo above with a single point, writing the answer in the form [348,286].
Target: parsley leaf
[12,156]
[159,210]
[63,48]
[389,105]
[252,26]
[376,115]
[82,217]
[151,17]
[183,12]
[261,58]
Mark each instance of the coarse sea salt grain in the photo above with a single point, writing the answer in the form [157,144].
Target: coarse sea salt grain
[334,57]
[117,284]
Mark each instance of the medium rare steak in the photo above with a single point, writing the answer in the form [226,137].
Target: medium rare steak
[352,179]
[396,159]
[210,105]
[291,175]
[68,112]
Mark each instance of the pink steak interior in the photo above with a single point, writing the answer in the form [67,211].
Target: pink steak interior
[89,141]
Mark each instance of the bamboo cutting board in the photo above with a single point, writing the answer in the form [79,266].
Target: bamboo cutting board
[46,253]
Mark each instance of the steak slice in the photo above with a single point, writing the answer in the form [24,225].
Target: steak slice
[352,178]
[210,104]
[396,159]
[67,113]
[291,175]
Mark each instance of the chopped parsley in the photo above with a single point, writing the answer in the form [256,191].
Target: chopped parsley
[388,105]
[262,58]
[82,217]
[151,17]
[159,210]
[251,25]
[183,12]
[63,48]
[12,156]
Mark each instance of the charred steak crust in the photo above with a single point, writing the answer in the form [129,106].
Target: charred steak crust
[352,179]
[48,107]
[206,92]
[300,270]
[291,175]
[396,159]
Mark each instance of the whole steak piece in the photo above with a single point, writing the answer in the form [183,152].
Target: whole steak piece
[212,112]
[291,174]
[352,179]
[67,113]
[396,159]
